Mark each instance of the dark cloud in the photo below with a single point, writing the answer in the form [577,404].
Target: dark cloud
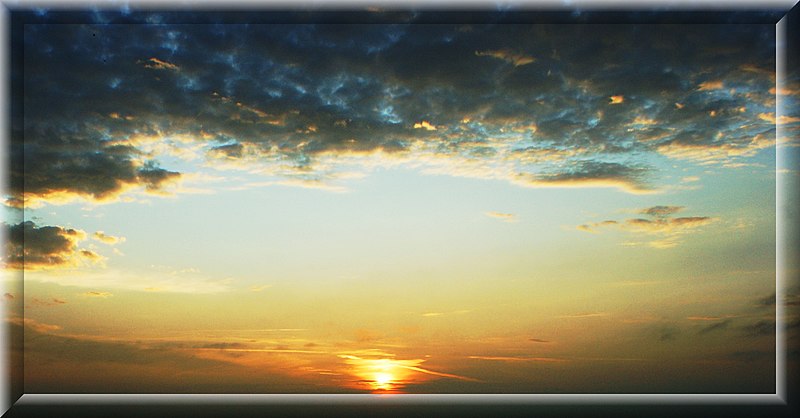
[668,333]
[222,346]
[767,301]
[660,211]
[760,328]
[290,95]
[752,355]
[590,173]
[32,247]
[715,326]
[792,299]
[56,363]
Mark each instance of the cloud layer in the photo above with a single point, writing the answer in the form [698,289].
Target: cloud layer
[107,106]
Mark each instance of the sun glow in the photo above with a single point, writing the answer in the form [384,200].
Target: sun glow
[383,381]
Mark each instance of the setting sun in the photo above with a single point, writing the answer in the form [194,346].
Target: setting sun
[383,381]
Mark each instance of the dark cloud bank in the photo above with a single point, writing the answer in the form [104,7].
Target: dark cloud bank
[559,104]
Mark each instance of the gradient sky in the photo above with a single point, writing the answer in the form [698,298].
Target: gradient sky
[398,208]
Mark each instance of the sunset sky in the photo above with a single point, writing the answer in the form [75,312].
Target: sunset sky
[451,208]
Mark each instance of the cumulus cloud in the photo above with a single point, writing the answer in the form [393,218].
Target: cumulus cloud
[31,247]
[281,99]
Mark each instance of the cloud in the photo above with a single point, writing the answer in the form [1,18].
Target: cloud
[780,120]
[152,280]
[710,85]
[507,55]
[669,225]
[458,312]
[661,223]
[158,64]
[704,318]
[592,227]
[424,125]
[536,340]
[35,325]
[759,328]
[715,326]
[519,359]
[668,333]
[48,247]
[49,302]
[629,178]
[107,239]
[750,356]
[505,217]
[661,211]
[96,294]
[285,100]
[767,301]
[585,315]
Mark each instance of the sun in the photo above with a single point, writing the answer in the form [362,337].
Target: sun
[383,381]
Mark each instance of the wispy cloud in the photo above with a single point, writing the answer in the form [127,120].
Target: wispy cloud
[96,294]
[158,64]
[505,217]
[154,280]
[507,55]
[585,315]
[519,359]
[47,302]
[35,325]
[661,223]
[715,326]
[458,312]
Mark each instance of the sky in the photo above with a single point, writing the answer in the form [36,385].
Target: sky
[399,208]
